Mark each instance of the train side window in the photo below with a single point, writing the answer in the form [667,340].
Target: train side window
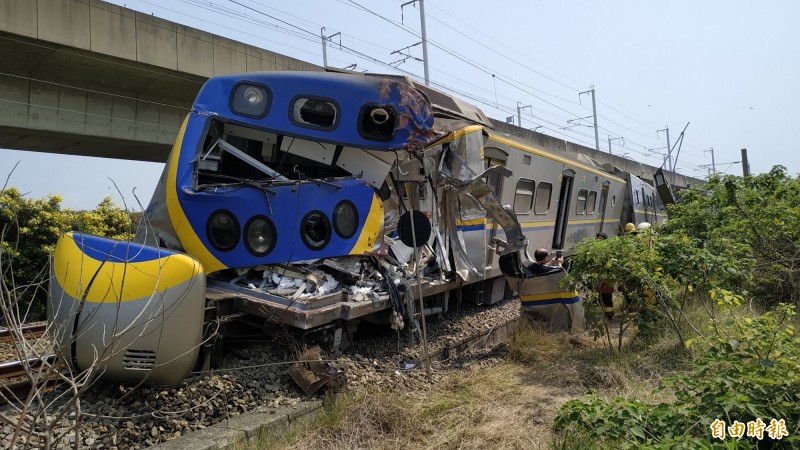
[591,202]
[637,196]
[543,194]
[493,156]
[523,198]
[526,159]
[580,205]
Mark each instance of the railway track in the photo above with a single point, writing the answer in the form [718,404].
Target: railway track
[254,376]
[14,380]
[29,332]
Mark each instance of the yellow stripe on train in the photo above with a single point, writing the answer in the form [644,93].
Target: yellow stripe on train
[548,296]
[371,230]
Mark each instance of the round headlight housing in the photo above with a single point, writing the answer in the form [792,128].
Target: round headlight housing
[253,95]
[345,219]
[315,230]
[222,230]
[260,236]
[250,100]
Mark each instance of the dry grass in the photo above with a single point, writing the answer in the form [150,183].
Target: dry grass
[510,405]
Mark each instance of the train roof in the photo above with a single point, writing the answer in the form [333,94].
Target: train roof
[443,104]
[329,107]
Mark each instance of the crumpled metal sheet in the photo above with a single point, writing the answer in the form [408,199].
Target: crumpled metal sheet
[155,229]
[415,115]
[464,188]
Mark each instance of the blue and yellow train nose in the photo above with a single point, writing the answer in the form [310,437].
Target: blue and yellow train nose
[132,312]
[294,222]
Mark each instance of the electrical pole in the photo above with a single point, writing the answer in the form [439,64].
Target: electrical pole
[612,139]
[713,165]
[594,113]
[424,35]
[424,42]
[745,163]
[325,40]
[519,113]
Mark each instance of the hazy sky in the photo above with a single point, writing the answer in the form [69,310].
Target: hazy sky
[726,67]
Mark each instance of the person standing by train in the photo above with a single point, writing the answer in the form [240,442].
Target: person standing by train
[630,228]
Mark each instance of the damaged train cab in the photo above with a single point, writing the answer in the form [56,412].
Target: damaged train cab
[316,200]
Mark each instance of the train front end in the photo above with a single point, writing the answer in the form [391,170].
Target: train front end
[278,176]
[125,311]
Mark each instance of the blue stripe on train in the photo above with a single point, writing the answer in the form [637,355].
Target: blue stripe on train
[104,249]
[563,301]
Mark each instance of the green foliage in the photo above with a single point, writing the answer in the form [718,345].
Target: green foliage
[658,273]
[751,219]
[631,264]
[749,371]
[30,229]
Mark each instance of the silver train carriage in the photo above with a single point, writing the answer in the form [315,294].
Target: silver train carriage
[316,200]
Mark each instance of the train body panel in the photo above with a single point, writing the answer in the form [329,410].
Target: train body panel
[300,196]
[115,307]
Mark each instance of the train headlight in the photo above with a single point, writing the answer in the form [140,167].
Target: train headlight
[222,230]
[250,100]
[345,219]
[259,236]
[315,230]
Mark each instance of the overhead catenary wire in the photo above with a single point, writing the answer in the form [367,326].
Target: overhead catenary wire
[312,36]
[287,26]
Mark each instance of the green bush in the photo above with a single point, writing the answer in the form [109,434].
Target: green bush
[752,219]
[749,370]
[29,229]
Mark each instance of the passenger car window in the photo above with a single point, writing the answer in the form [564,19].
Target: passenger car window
[580,205]
[543,194]
[590,202]
[523,197]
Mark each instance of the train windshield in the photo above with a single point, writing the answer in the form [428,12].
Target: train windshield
[234,154]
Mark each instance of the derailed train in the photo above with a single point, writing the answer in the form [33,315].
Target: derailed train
[318,200]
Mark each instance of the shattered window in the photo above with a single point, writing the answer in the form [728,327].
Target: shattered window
[315,113]
[590,202]
[234,152]
[580,205]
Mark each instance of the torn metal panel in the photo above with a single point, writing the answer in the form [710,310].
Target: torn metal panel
[155,229]
[455,244]
[469,184]
[415,116]
[311,373]
[473,200]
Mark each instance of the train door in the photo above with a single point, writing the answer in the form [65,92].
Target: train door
[645,205]
[602,206]
[562,215]
[493,156]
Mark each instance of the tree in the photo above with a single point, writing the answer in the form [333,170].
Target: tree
[29,229]
[753,219]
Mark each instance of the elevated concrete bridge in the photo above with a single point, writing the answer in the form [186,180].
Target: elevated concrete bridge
[85,77]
